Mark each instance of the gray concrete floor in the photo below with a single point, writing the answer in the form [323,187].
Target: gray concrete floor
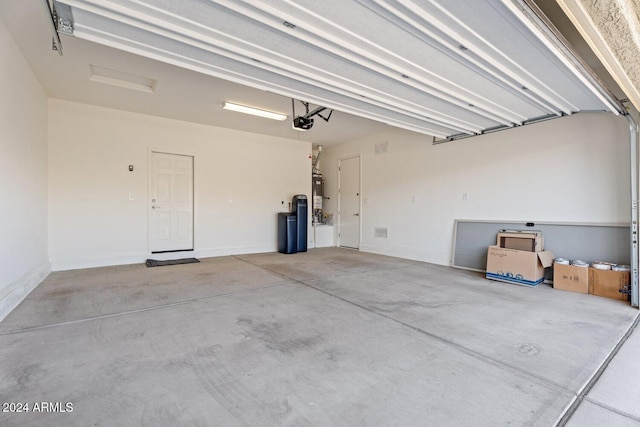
[327,337]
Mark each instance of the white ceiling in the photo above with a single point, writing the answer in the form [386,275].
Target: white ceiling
[438,67]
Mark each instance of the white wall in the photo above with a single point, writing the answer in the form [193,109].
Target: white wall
[23,177]
[572,169]
[91,220]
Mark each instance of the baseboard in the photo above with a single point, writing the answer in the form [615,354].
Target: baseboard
[240,250]
[75,263]
[440,258]
[17,291]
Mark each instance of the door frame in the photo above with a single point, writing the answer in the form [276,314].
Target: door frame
[168,255]
[340,159]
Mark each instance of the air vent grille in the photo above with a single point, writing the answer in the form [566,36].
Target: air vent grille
[382,147]
[381,232]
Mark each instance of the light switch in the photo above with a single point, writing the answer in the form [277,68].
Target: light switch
[130,196]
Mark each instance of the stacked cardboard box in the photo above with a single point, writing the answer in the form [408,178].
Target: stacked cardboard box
[609,283]
[571,278]
[518,257]
[594,281]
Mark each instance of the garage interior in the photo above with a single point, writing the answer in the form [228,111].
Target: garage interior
[425,114]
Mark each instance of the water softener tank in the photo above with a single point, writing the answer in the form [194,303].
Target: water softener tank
[287,233]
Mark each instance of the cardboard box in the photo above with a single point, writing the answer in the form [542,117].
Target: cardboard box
[531,241]
[519,267]
[609,283]
[571,278]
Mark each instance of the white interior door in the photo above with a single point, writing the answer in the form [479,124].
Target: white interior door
[170,203]
[349,202]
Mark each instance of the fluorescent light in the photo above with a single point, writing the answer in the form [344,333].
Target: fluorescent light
[253,111]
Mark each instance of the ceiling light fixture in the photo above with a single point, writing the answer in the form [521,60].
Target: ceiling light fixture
[254,111]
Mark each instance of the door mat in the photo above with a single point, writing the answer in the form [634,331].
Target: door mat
[156,263]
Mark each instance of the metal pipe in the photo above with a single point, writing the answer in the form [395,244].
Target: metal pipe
[317,159]
[633,144]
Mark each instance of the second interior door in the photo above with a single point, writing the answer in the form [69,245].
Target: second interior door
[349,201]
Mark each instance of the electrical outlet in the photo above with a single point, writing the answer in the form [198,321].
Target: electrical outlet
[465,197]
[131,196]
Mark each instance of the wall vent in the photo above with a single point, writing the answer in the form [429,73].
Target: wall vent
[381,232]
[382,147]
[121,79]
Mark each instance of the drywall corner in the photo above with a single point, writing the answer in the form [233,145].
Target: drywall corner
[16,292]
[24,259]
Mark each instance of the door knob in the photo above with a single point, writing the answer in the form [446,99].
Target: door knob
[356,214]
[153,207]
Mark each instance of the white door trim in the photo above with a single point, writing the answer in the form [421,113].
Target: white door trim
[340,159]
